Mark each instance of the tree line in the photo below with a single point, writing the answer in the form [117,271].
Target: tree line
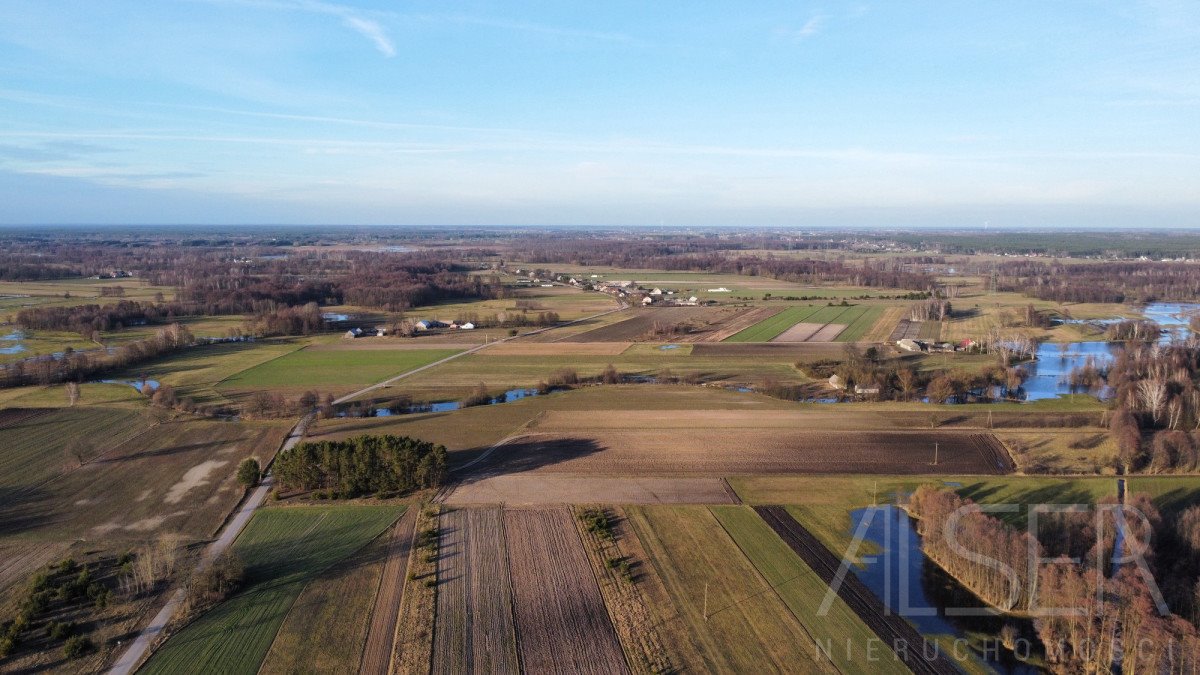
[362,465]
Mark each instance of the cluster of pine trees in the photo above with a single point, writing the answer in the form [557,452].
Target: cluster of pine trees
[362,465]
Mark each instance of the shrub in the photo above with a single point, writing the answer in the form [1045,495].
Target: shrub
[77,646]
[249,472]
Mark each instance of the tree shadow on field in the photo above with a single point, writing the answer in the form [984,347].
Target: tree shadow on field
[23,509]
[373,424]
[525,455]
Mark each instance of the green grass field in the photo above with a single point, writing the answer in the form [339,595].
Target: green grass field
[823,503]
[1171,494]
[283,549]
[308,368]
[771,327]
[866,317]
[748,628]
[858,320]
[803,592]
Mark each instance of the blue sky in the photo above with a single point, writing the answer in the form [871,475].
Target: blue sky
[914,112]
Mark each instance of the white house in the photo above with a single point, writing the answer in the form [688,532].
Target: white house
[657,291]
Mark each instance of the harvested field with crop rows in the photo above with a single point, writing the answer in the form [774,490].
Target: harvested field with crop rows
[561,619]
[641,327]
[474,631]
[720,452]
[381,632]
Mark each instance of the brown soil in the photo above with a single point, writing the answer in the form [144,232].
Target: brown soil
[891,628]
[741,322]
[727,452]
[556,349]
[14,416]
[542,489]
[706,321]
[783,351]
[381,632]
[474,630]
[561,618]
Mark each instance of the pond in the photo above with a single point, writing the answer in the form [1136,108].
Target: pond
[11,343]
[1050,375]
[918,590]
[136,384]
[334,317]
[444,406]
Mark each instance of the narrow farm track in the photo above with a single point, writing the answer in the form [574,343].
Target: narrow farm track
[560,614]
[474,631]
[381,633]
[128,661]
[892,629]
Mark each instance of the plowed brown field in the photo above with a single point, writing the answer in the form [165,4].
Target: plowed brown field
[706,320]
[474,630]
[725,452]
[381,632]
[561,618]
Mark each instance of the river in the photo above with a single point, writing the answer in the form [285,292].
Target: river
[917,589]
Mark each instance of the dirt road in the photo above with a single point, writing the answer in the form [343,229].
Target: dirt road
[140,647]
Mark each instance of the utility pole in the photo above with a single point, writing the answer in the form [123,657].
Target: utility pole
[706,602]
[875,494]
[935,453]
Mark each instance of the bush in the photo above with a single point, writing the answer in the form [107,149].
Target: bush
[59,631]
[77,646]
[249,472]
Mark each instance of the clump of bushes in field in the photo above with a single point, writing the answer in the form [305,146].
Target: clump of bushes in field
[596,521]
[67,591]
[362,465]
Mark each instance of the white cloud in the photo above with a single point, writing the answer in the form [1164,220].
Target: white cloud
[809,29]
[373,32]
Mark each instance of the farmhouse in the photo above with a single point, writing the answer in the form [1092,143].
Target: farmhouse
[428,324]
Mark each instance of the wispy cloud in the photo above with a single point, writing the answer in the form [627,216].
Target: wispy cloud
[351,17]
[373,32]
[536,28]
[809,29]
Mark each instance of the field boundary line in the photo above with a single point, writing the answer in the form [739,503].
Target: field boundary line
[512,592]
[219,382]
[397,541]
[596,579]
[772,588]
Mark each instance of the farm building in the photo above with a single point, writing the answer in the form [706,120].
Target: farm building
[837,382]
[353,333]
[910,345]
[866,389]
[427,324]
[722,289]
